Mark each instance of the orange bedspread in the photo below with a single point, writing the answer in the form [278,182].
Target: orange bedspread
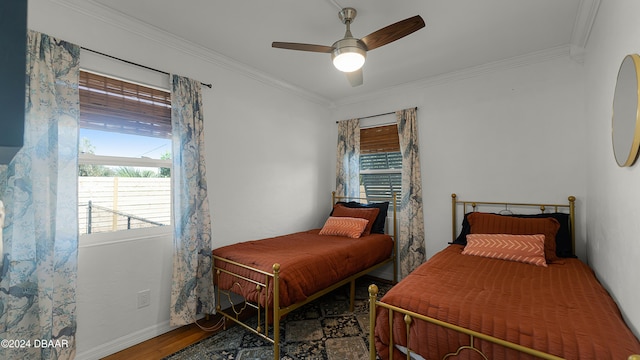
[562,309]
[309,262]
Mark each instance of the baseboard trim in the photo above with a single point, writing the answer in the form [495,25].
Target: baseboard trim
[125,342]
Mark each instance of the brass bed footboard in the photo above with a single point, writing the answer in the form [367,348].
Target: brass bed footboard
[235,313]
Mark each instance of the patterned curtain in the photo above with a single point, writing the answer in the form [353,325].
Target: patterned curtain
[192,287]
[411,220]
[38,278]
[348,159]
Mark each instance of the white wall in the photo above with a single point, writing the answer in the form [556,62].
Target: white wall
[504,133]
[110,275]
[268,148]
[613,192]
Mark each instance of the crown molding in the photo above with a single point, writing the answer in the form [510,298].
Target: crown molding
[491,67]
[114,18]
[575,50]
[587,11]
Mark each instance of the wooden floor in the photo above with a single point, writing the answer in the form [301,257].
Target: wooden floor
[168,343]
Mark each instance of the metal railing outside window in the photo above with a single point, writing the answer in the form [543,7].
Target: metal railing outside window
[102,219]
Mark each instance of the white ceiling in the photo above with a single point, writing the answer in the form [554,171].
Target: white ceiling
[459,34]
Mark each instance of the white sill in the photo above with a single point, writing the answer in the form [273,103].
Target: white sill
[121,236]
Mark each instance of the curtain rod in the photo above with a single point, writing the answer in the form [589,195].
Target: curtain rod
[136,64]
[372,116]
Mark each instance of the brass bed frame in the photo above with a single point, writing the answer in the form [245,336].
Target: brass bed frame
[235,312]
[410,316]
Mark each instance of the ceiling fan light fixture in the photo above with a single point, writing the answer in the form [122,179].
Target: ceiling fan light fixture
[348,55]
[348,61]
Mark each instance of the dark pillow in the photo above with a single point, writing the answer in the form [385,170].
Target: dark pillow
[466,230]
[564,245]
[378,224]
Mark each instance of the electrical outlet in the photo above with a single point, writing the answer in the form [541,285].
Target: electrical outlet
[144,298]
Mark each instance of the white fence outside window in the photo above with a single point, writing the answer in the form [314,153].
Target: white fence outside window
[119,203]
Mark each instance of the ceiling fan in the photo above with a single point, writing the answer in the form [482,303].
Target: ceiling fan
[348,54]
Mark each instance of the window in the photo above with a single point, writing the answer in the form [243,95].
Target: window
[124,176]
[380,162]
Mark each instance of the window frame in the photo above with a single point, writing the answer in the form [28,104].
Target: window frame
[92,159]
[378,139]
[112,237]
[119,236]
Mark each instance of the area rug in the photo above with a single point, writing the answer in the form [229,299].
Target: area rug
[323,329]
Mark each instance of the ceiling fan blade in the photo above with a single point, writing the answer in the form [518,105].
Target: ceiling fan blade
[355,77]
[302,47]
[393,32]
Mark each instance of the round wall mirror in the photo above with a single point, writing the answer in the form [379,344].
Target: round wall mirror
[625,125]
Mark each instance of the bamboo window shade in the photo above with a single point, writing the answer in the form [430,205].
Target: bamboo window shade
[109,104]
[379,139]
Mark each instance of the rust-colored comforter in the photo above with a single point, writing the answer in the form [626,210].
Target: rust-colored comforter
[562,309]
[309,262]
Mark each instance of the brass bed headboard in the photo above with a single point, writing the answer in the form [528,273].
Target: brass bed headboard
[508,206]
